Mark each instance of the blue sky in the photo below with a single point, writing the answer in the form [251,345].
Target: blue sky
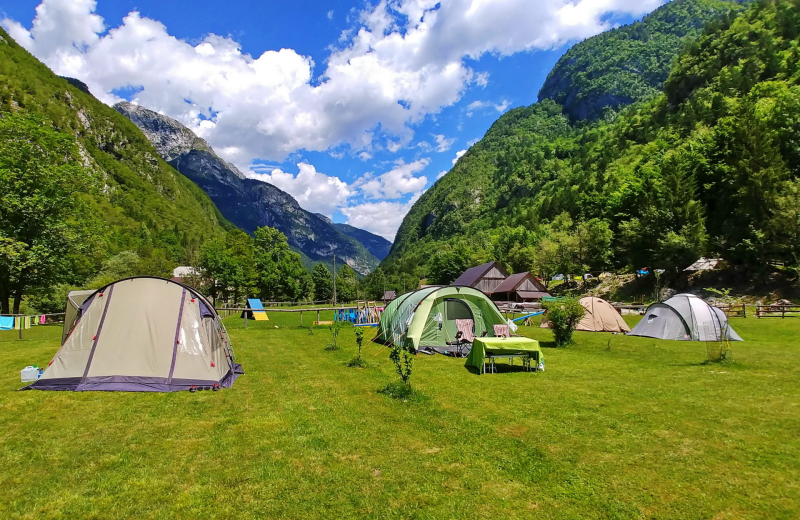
[354,108]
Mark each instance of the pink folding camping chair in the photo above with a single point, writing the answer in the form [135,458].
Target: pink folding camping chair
[464,335]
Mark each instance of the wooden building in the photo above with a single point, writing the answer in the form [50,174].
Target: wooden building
[484,277]
[520,287]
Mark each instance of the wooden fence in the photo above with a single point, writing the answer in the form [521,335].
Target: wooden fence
[734,311]
[777,311]
[301,310]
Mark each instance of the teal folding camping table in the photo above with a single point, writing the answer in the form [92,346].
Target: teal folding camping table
[484,349]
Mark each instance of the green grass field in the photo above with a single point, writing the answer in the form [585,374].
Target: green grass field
[616,427]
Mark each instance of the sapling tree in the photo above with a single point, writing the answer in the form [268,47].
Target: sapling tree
[359,339]
[334,343]
[358,361]
[403,359]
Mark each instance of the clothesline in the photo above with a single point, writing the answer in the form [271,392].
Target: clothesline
[37,314]
[24,321]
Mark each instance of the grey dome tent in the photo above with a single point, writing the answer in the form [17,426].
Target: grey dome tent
[142,334]
[685,317]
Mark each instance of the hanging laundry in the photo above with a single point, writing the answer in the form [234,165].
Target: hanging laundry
[6,322]
[42,319]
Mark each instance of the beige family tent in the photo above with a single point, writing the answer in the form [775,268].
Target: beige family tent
[600,316]
[141,334]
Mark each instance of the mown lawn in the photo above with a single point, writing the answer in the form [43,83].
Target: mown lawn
[617,427]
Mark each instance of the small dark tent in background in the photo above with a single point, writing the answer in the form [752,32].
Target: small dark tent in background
[705,264]
[143,334]
[485,277]
[685,317]
[519,287]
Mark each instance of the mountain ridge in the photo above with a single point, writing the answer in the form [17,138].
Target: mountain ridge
[247,203]
[708,166]
[144,204]
[629,63]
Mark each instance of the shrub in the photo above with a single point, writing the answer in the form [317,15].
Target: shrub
[564,317]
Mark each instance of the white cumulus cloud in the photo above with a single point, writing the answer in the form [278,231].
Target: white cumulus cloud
[402,61]
[315,191]
[442,143]
[395,183]
[458,156]
[382,218]
[478,105]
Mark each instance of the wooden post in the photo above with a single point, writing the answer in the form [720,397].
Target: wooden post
[317,317]
[744,311]
[245,320]
[301,316]
[21,325]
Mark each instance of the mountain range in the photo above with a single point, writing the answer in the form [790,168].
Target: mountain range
[251,203]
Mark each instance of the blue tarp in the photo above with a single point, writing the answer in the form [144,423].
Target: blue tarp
[6,322]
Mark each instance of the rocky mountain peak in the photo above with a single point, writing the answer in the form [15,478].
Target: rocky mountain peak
[250,203]
[171,138]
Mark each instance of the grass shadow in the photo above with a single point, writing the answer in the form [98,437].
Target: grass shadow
[402,392]
[357,362]
[730,363]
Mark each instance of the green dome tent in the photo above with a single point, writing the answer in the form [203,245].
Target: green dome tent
[426,319]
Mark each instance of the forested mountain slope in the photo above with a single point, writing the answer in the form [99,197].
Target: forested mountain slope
[628,64]
[248,203]
[711,166]
[140,202]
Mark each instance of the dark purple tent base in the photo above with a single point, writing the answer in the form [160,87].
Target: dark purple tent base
[132,383]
